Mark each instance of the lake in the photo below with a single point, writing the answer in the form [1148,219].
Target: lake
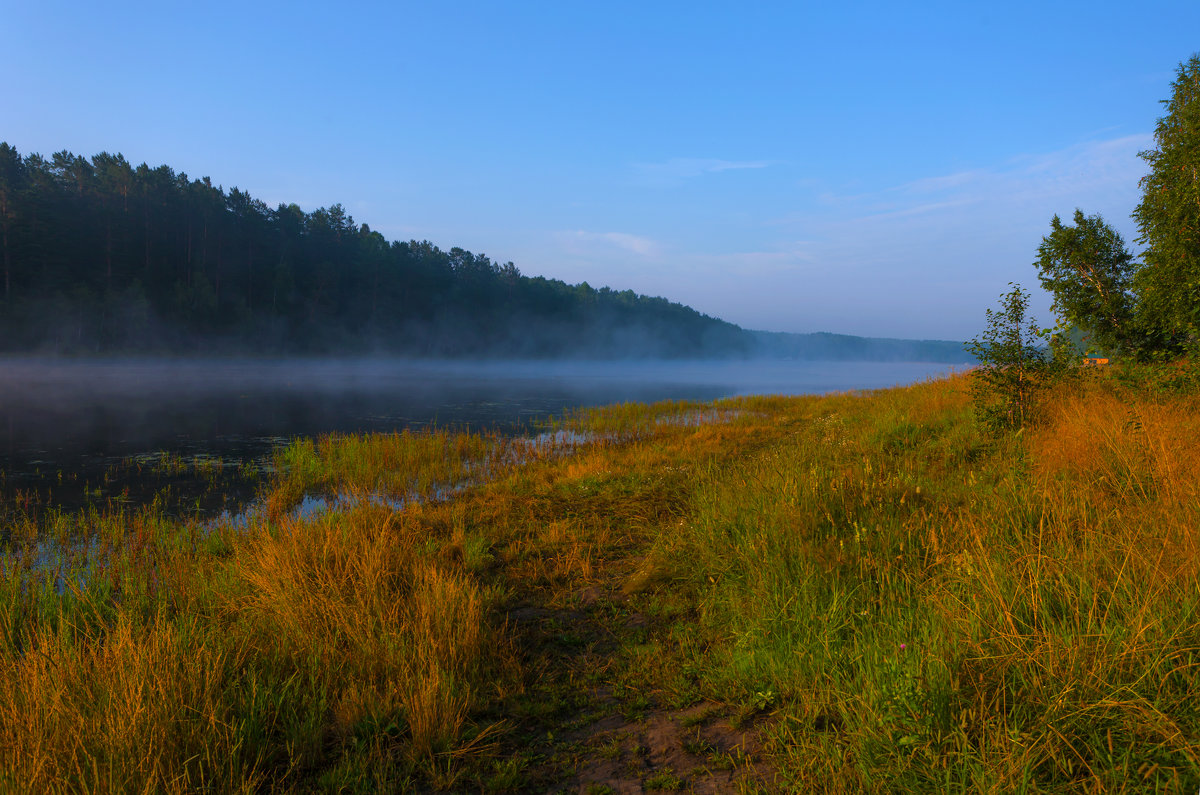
[73,432]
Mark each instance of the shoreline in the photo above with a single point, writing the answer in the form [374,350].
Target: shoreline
[775,594]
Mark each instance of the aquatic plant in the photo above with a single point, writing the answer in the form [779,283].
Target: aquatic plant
[889,598]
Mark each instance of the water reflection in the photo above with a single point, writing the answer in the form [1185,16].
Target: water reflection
[64,425]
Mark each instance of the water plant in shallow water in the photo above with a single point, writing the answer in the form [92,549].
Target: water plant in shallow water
[888,602]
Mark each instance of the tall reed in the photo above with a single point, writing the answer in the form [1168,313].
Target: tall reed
[326,653]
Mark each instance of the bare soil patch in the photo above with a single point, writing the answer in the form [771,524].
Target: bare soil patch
[584,731]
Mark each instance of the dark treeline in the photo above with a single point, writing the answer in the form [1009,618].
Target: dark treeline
[99,256]
[824,346]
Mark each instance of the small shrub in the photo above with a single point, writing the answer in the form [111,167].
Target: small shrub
[1014,367]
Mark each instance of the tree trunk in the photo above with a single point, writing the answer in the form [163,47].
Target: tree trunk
[108,256]
[7,254]
[146,238]
[7,264]
[250,278]
[188,275]
[217,275]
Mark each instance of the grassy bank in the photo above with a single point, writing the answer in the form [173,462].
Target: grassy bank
[842,593]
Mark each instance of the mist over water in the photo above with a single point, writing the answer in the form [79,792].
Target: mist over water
[62,416]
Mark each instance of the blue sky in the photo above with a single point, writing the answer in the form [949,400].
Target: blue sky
[866,168]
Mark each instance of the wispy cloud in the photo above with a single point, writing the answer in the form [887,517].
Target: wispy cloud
[926,255]
[942,246]
[680,168]
[786,258]
[922,257]
[1084,173]
[944,183]
[1098,176]
[580,242]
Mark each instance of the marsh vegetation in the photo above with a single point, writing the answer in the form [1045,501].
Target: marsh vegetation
[857,592]
[197,435]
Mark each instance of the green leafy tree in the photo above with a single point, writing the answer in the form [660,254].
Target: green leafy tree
[1013,365]
[1169,213]
[1090,273]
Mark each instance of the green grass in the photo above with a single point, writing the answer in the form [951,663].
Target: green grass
[1017,614]
[890,599]
[665,780]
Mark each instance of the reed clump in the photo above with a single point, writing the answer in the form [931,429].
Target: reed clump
[354,648]
[159,656]
[394,465]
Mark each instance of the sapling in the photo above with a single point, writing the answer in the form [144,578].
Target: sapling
[1015,364]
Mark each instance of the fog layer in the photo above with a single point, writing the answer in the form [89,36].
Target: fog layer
[57,411]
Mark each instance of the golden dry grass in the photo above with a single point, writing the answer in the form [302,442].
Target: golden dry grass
[917,605]
[1011,614]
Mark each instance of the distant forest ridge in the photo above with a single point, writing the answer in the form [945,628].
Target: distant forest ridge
[823,345]
[100,257]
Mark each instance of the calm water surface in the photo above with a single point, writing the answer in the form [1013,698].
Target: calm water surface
[64,425]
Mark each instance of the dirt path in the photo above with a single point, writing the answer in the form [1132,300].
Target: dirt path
[609,702]
[591,732]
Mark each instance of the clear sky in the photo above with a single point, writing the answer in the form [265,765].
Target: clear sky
[867,168]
